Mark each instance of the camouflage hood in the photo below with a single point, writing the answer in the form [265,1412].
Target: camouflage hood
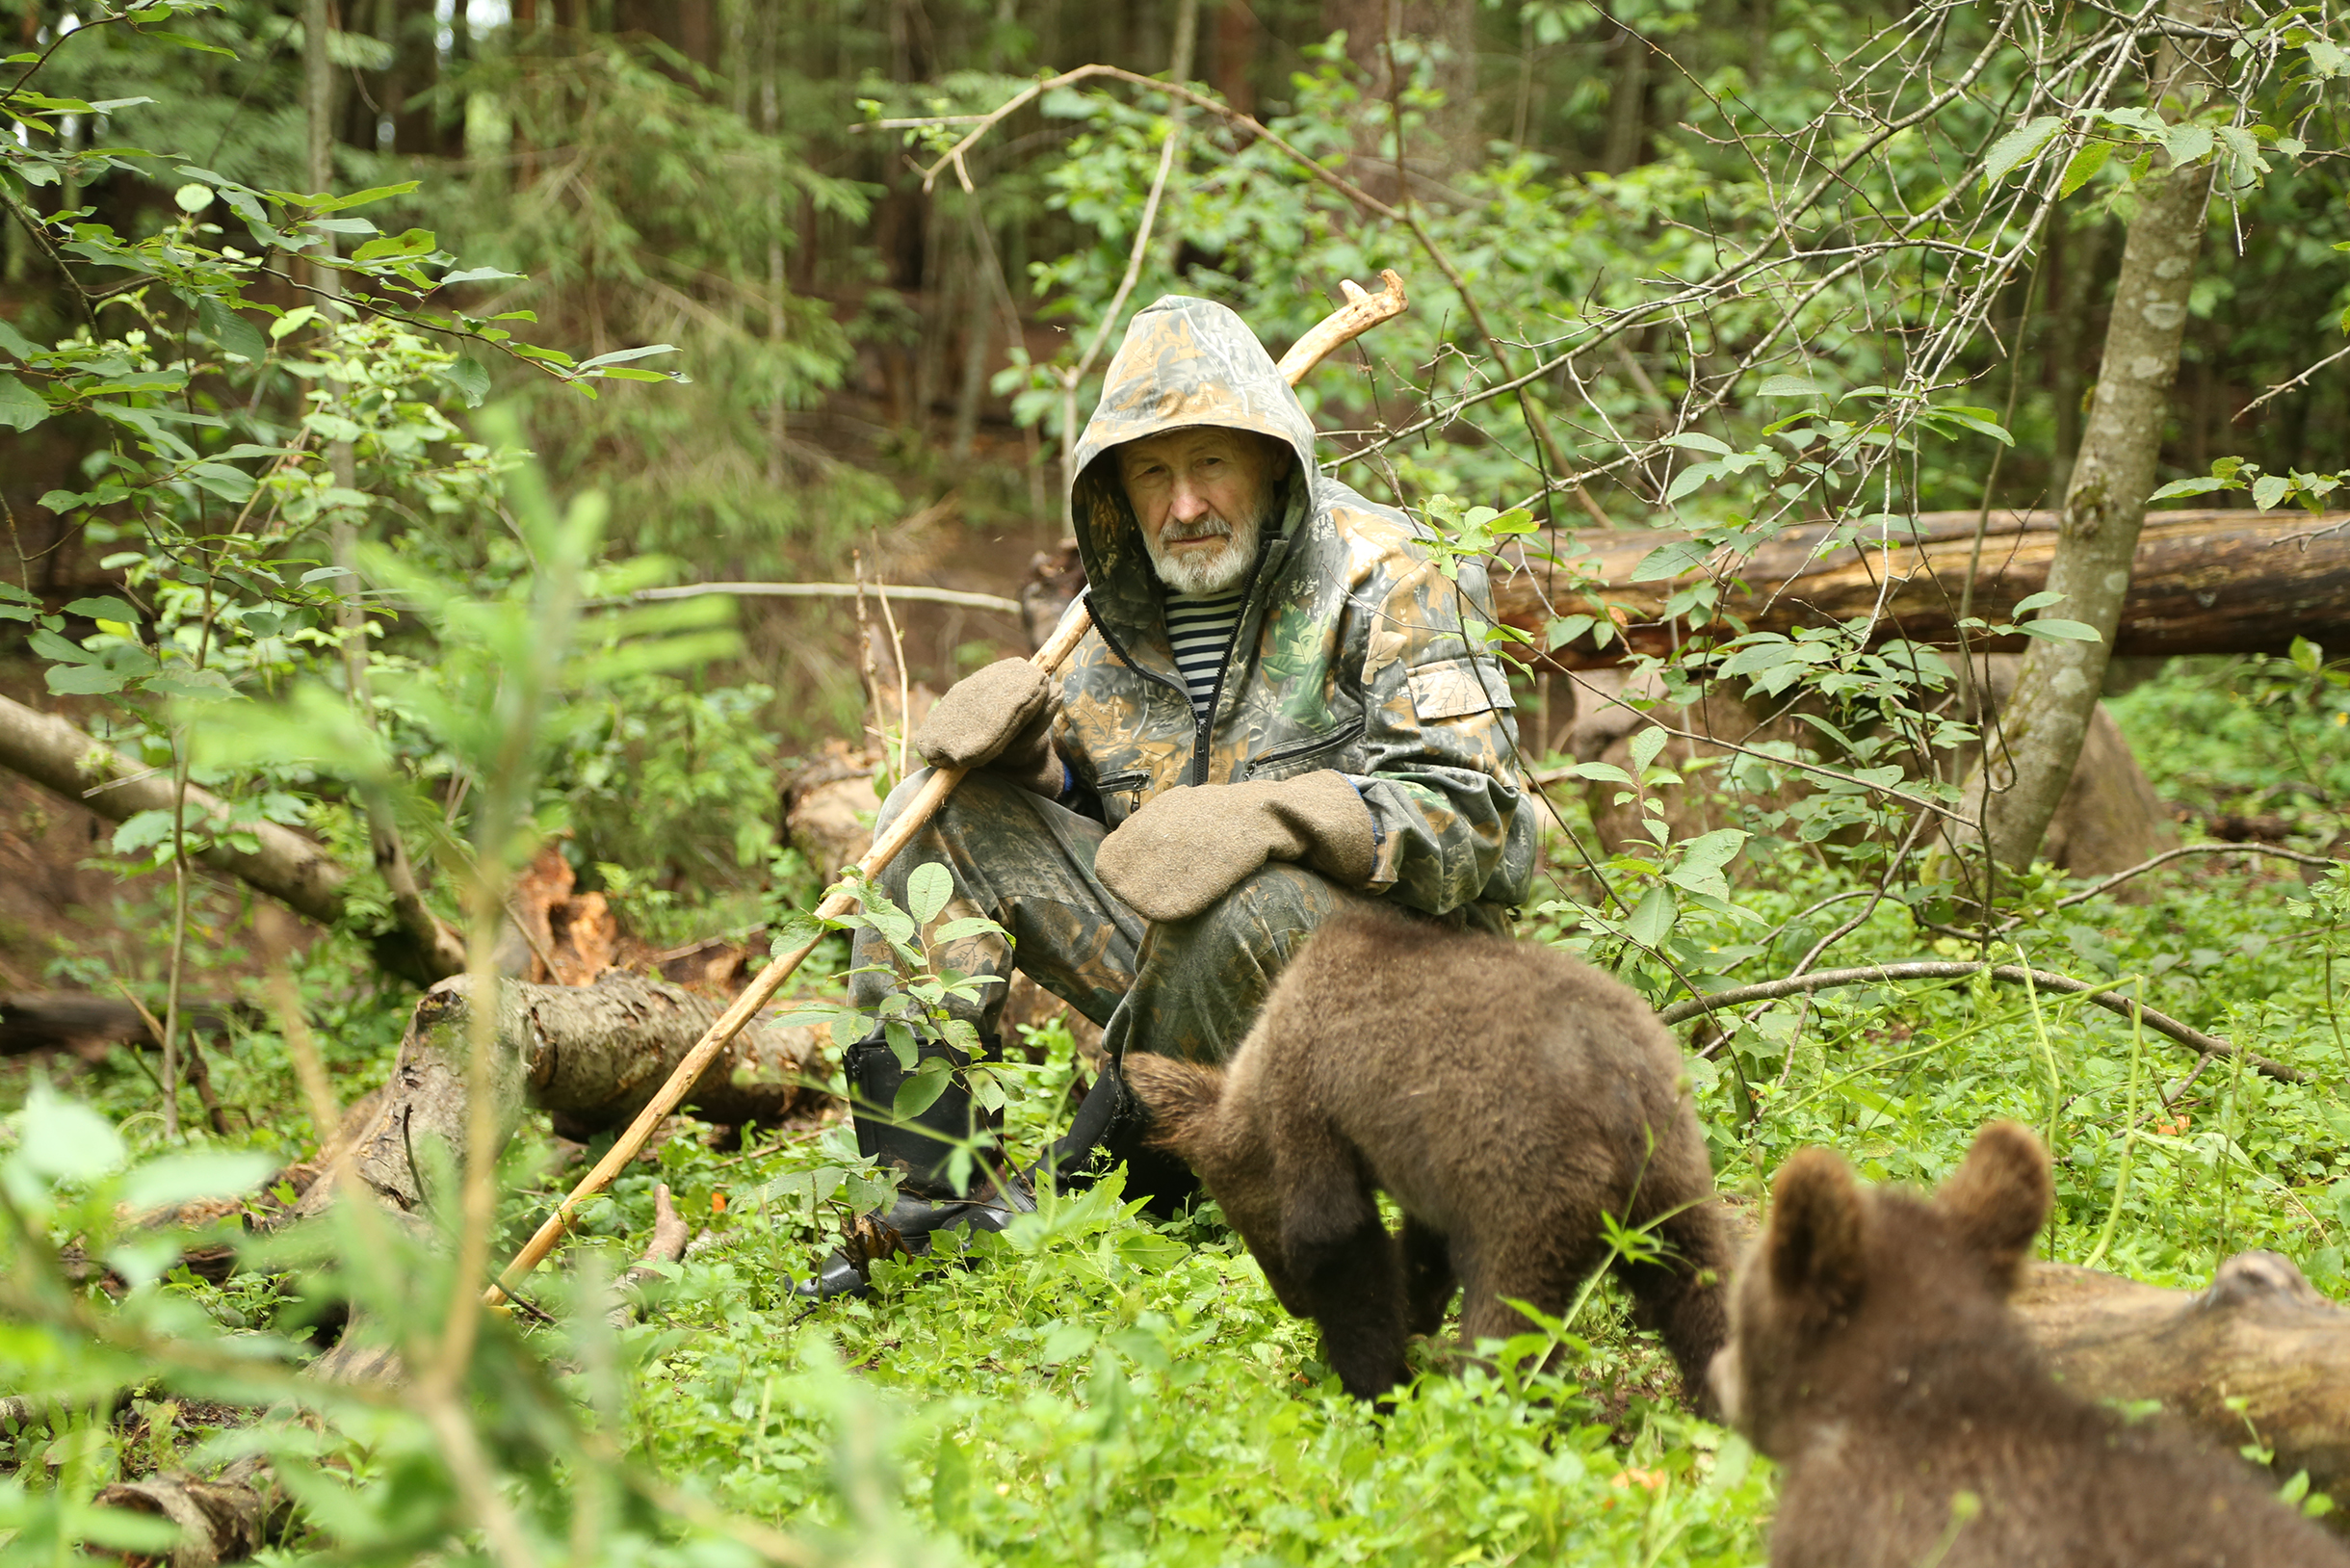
[1184,362]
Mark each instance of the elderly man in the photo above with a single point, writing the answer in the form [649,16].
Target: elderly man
[1277,713]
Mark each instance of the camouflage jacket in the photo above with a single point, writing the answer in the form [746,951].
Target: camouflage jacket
[1350,655]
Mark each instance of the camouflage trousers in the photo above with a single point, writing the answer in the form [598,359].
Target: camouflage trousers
[1186,988]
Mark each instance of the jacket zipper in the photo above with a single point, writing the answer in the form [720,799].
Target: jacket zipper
[1337,736]
[1206,722]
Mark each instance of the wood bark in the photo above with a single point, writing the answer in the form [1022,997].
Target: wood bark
[2202,582]
[74,1020]
[2014,791]
[289,867]
[592,1055]
[2259,1333]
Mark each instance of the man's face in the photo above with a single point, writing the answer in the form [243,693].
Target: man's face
[1201,495]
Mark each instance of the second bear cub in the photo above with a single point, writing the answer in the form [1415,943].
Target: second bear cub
[1873,1353]
[1504,1094]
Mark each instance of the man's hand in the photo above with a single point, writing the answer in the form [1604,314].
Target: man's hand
[1186,849]
[999,718]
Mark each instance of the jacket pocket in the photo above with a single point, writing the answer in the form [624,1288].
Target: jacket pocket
[1120,794]
[1304,756]
[1457,687]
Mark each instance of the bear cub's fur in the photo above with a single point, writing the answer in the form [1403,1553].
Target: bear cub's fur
[1504,1094]
[1872,1353]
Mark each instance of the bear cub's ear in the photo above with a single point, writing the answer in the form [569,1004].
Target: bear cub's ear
[1814,1248]
[1180,1096]
[1999,1198]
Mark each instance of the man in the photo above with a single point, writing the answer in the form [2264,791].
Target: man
[1277,713]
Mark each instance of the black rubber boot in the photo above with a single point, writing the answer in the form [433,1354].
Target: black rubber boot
[919,1148]
[1155,1175]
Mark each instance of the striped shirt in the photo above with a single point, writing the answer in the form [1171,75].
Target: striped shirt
[1199,626]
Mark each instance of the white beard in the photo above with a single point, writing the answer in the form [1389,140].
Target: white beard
[1196,571]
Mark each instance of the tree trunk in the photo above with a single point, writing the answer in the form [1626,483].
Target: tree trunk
[2259,1334]
[2014,792]
[1627,99]
[416,119]
[1376,31]
[2205,582]
[592,1055]
[282,864]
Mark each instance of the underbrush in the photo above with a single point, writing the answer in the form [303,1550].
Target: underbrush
[1093,1387]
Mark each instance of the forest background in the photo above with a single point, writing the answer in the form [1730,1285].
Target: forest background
[773,293]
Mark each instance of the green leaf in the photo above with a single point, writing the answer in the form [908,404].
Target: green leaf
[2082,165]
[182,1178]
[2187,143]
[1789,386]
[1767,653]
[1698,442]
[360,199]
[927,890]
[2180,487]
[1652,919]
[466,374]
[921,1091]
[1984,420]
[955,931]
[2037,601]
[2307,656]
[2269,489]
[1668,561]
[414,241]
[1691,479]
[106,607]
[230,330]
[1564,630]
[186,42]
[2067,631]
[20,406]
[16,343]
[49,645]
[623,356]
[477,274]
[62,1138]
[82,680]
[2017,145]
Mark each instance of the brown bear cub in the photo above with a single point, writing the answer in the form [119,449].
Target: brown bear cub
[1873,1354]
[1504,1094]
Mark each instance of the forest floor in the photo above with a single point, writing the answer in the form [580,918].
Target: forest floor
[1093,1387]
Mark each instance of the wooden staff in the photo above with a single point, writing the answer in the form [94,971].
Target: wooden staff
[1362,311]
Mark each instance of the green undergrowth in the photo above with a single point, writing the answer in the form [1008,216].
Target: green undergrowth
[1094,1387]
[1090,1388]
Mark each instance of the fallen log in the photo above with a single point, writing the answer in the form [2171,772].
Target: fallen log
[2259,1334]
[68,1020]
[592,1055]
[87,772]
[2204,581]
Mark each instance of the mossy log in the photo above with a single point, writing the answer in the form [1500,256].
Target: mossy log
[2202,581]
[2259,1333]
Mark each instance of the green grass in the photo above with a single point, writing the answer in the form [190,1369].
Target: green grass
[1094,1388]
